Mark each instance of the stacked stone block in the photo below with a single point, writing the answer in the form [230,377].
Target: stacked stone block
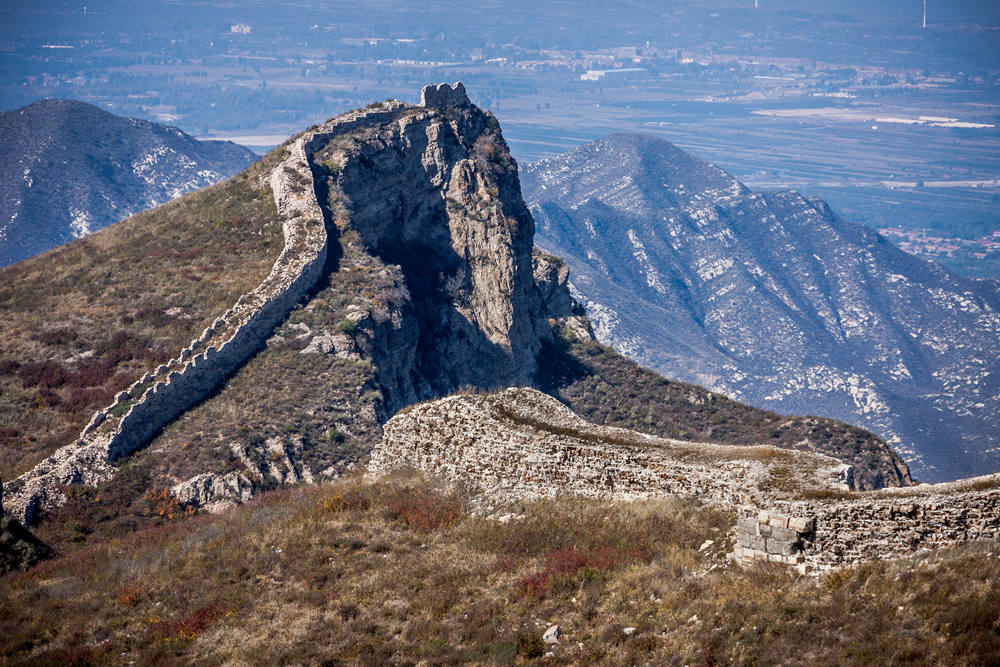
[520,443]
[775,538]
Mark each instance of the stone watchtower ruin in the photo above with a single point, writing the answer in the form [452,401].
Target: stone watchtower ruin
[443,96]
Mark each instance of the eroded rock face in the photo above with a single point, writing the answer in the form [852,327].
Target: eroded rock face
[771,299]
[436,193]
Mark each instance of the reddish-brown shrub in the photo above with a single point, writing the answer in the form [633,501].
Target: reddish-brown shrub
[8,433]
[153,315]
[565,561]
[129,595]
[122,346]
[9,366]
[164,504]
[425,510]
[192,625]
[345,500]
[86,398]
[91,373]
[46,398]
[533,586]
[568,561]
[55,336]
[45,373]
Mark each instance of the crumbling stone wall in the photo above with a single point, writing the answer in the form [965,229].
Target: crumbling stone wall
[157,398]
[876,525]
[521,443]
[443,96]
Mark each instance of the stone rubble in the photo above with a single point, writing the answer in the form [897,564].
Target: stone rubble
[522,443]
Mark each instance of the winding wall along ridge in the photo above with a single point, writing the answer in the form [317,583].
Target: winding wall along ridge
[872,525]
[158,398]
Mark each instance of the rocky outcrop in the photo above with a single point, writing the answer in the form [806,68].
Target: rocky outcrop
[443,96]
[436,193]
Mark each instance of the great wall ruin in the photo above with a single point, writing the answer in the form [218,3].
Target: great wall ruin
[158,398]
[790,507]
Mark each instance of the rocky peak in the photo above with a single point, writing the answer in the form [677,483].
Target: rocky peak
[69,169]
[634,170]
[434,191]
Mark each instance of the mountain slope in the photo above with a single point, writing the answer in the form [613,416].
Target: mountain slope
[431,285]
[83,321]
[774,300]
[68,168]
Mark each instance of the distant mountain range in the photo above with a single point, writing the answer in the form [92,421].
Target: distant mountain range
[773,299]
[68,168]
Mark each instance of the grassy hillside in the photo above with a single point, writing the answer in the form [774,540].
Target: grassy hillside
[85,320]
[397,571]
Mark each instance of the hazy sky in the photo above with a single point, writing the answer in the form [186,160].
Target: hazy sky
[941,10]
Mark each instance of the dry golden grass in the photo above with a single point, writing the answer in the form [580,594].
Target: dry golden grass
[343,574]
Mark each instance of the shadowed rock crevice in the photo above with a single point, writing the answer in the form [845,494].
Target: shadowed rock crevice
[436,193]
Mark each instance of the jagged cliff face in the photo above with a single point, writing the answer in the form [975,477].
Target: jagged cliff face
[436,194]
[774,300]
[68,169]
[429,284]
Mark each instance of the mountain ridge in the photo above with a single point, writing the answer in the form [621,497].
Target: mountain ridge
[771,298]
[70,168]
[430,284]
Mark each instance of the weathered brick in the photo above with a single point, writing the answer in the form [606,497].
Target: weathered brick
[784,535]
[802,524]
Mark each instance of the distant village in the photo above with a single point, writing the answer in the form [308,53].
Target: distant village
[925,243]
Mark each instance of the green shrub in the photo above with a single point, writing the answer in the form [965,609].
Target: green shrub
[347,326]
